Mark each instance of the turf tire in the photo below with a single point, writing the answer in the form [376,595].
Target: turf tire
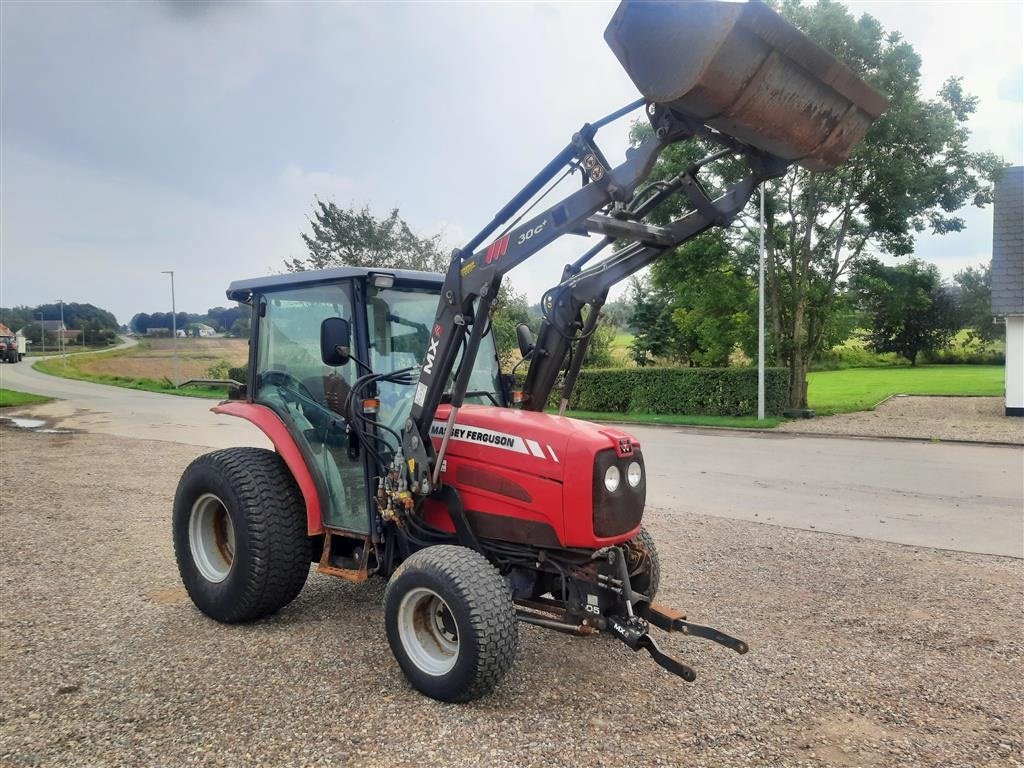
[647,580]
[272,549]
[481,606]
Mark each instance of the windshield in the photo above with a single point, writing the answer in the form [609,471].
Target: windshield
[399,321]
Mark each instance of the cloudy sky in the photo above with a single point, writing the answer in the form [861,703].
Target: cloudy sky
[140,137]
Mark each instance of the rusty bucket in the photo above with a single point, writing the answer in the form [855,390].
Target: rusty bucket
[743,70]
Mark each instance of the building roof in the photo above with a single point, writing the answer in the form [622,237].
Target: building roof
[242,290]
[1008,244]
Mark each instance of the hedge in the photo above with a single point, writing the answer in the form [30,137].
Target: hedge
[691,391]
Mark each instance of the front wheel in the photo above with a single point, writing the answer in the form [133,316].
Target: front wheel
[239,532]
[644,566]
[451,623]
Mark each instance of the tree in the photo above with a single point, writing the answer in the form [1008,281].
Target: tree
[618,313]
[652,319]
[714,300]
[911,173]
[507,312]
[347,237]
[356,238]
[975,301]
[599,347]
[908,309]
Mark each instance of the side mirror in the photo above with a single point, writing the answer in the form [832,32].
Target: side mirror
[525,337]
[335,341]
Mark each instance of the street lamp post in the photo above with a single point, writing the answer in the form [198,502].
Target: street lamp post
[174,330]
[63,333]
[760,318]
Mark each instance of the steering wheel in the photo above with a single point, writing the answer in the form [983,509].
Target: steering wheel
[284,379]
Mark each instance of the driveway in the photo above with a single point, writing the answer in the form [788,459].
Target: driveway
[944,495]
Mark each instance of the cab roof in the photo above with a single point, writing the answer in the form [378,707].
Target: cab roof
[242,290]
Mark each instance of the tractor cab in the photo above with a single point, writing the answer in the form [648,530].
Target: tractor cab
[384,319]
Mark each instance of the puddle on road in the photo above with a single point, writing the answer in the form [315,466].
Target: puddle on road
[35,425]
[27,423]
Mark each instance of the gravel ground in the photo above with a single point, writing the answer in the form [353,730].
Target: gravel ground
[863,653]
[931,418]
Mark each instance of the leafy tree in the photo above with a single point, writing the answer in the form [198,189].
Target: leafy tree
[222,318]
[347,237]
[714,300]
[652,319]
[908,309]
[241,327]
[975,300]
[911,173]
[18,317]
[599,348]
[507,312]
[618,313]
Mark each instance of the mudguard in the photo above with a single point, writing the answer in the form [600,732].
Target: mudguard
[272,426]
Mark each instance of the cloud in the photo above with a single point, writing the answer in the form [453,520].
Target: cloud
[310,184]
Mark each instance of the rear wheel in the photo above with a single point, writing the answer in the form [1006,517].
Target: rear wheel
[239,531]
[451,623]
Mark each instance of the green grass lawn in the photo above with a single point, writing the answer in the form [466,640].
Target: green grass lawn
[10,398]
[860,389]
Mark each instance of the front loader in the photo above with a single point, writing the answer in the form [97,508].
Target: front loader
[402,451]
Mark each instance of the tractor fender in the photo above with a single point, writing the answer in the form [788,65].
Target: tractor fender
[272,426]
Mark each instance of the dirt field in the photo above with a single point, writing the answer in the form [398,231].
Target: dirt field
[862,653]
[154,358]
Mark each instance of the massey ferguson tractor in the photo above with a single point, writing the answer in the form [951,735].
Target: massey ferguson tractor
[402,452]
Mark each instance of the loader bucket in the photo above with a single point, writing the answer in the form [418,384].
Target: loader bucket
[743,70]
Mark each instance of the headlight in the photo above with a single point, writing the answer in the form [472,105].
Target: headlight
[611,479]
[634,474]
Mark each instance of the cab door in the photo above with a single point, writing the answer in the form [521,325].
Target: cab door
[310,396]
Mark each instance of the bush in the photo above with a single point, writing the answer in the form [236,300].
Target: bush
[854,355]
[966,355]
[219,370]
[240,374]
[691,391]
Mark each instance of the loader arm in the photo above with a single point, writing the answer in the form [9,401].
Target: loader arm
[563,305]
[473,278]
[734,73]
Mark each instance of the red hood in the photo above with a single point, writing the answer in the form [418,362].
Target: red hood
[538,443]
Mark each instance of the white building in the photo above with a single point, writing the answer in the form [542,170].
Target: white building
[1008,279]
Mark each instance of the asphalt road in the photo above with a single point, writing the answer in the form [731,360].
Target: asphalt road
[943,495]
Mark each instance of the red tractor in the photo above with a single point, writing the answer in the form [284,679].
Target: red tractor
[402,451]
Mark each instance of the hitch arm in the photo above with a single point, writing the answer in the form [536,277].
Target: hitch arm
[633,632]
[673,621]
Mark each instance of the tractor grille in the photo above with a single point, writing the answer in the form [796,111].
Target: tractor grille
[619,511]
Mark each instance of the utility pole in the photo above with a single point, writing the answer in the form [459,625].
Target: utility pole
[174,330]
[63,333]
[760,319]
[42,332]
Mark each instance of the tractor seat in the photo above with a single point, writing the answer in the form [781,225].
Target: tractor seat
[332,391]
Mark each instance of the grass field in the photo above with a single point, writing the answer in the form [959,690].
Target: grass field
[859,389]
[150,365]
[620,349]
[36,350]
[10,398]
